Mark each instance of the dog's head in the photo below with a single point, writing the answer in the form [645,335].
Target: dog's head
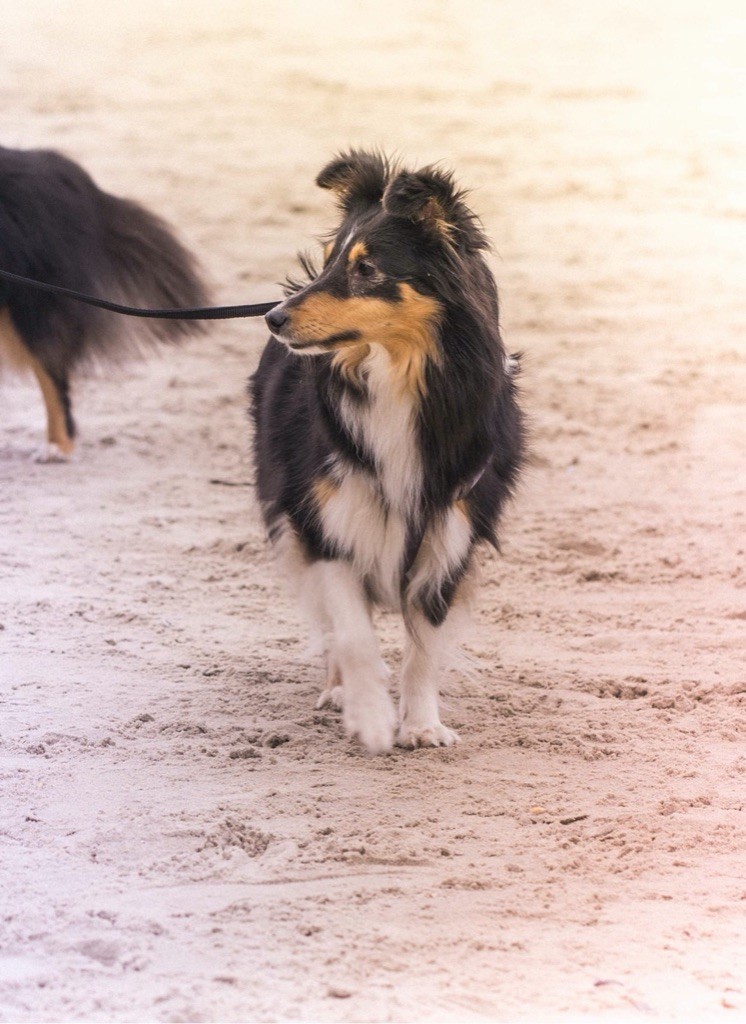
[389,268]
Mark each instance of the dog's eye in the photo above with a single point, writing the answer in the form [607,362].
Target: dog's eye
[364,268]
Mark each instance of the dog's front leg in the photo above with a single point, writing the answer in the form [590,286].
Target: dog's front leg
[419,718]
[368,709]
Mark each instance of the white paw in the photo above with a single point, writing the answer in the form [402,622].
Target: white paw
[372,720]
[331,697]
[432,734]
[51,452]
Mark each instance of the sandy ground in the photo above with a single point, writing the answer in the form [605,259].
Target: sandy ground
[181,836]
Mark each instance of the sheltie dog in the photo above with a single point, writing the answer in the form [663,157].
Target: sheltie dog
[387,435]
[58,227]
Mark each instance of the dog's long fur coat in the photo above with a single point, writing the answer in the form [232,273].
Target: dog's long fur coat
[387,434]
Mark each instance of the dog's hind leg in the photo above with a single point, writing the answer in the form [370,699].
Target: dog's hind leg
[55,389]
[353,653]
[419,718]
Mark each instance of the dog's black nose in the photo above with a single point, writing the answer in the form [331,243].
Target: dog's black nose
[276,319]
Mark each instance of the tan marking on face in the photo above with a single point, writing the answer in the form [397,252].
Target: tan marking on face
[328,249]
[19,358]
[358,252]
[407,330]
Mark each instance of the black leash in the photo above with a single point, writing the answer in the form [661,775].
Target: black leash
[204,313]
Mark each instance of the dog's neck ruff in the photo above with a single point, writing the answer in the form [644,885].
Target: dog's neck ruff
[384,426]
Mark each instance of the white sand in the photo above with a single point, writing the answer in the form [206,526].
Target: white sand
[181,836]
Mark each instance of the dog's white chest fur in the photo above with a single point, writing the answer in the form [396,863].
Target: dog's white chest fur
[368,515]
[363,529]
[385,427]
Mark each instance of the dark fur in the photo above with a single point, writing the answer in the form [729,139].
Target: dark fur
[469,426]
[469,420]
[57,226]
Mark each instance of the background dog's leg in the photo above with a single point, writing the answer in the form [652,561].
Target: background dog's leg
[55,390]
[60,426]
[368,709]
[419,720]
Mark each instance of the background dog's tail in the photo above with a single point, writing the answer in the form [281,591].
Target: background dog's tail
[147,266]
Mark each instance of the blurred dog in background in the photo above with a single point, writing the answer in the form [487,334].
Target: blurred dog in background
[58,227]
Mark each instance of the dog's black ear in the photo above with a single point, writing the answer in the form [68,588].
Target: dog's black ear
[357,178]
[429,197]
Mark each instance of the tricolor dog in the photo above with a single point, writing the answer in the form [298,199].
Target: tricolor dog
[388,437]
